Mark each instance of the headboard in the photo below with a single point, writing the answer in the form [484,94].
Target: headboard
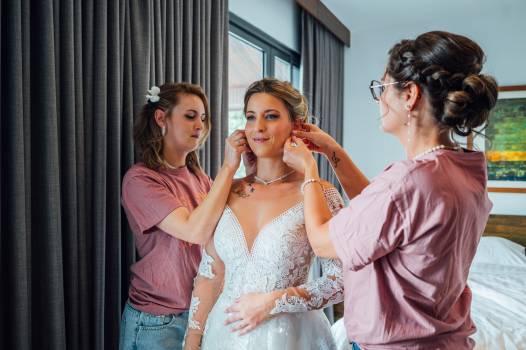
[512,227]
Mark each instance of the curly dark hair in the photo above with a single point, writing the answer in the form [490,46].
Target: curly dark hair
[447,68]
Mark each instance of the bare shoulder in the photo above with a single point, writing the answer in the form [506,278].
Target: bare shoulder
[237,182]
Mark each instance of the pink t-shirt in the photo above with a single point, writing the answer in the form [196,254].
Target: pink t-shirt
[162,278]
[406,244]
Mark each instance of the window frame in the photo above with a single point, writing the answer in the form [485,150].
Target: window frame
[268,45]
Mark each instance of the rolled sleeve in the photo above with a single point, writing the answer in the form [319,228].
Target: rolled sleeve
[368,229]
[148,201]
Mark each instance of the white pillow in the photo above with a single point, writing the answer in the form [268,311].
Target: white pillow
[501,251]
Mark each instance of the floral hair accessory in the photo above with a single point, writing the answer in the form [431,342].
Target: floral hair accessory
[153,94]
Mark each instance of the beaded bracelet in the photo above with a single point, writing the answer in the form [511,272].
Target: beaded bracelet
[306,182]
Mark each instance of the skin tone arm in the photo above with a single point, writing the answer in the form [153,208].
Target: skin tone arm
[198,225]
[353,181]
[317,213]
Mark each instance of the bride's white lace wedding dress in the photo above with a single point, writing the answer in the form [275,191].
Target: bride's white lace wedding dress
[279,260]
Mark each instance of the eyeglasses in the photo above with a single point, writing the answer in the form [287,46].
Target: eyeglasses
[377,88]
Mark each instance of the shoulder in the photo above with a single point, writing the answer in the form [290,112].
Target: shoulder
[402,174]
[139,173]
[238,183]
[409,183]
[239,189]
[139,169]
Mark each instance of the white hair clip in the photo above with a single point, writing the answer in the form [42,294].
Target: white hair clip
[153,94]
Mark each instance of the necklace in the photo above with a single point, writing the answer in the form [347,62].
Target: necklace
[170,166]
[268,182]
[436,148]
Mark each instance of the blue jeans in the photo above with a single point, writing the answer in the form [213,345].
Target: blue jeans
[144,331]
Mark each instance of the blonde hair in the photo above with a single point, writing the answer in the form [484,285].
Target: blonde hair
[294,101]
[147,134]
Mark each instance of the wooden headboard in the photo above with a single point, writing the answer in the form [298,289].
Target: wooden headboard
[512,227]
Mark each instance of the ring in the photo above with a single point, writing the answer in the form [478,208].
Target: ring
[293,144]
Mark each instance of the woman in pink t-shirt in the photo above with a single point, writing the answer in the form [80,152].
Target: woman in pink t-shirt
[172,208]
[407,239]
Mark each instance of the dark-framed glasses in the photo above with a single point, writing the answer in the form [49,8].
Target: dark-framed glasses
[377,88]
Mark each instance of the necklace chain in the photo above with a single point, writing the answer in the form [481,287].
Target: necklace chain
[268,182]
[436,148]
[170,166]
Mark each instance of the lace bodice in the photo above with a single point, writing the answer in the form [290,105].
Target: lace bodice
[280,259]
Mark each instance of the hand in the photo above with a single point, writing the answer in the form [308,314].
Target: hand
[316,139]
[249,311]
[296,154]
[235,145]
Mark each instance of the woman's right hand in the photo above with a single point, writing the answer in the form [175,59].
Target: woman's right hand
[315,138]
[235,145]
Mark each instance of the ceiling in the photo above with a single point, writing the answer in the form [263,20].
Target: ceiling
[361,15]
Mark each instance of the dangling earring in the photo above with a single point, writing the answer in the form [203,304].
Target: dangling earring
[163,130]
[408,124]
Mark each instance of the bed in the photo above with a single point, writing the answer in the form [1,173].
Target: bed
[497,279]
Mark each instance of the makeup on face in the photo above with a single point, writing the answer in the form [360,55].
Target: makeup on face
[266,119]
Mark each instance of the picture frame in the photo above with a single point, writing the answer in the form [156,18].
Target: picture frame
[504,141]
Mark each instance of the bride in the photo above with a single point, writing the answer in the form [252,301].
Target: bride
[251,291]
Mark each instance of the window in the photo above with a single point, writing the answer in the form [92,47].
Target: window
[252,56]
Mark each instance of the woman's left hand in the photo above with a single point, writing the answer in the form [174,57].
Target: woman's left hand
[297,155]
[249,311]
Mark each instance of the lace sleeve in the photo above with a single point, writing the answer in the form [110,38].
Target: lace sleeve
[323,291]
[207,287]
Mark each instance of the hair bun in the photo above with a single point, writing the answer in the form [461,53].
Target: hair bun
[468,109]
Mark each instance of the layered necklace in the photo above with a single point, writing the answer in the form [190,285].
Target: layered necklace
[268,182]
[436,148]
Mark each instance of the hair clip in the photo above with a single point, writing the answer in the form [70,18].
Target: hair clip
[153,94]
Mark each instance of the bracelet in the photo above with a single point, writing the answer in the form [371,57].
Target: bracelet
[306,182]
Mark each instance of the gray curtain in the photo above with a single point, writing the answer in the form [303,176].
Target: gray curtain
[73,73]
[322,59]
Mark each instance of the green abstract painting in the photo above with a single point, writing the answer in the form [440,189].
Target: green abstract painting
[505,143]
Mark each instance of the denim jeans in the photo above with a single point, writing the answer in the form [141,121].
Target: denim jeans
[354,346]
[144,331]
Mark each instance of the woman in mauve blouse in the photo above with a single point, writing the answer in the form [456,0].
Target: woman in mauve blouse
[407,238]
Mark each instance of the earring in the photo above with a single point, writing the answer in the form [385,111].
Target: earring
[408,124]
[163,130]
[408,107]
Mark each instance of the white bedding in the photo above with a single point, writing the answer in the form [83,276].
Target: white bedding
[498,281]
